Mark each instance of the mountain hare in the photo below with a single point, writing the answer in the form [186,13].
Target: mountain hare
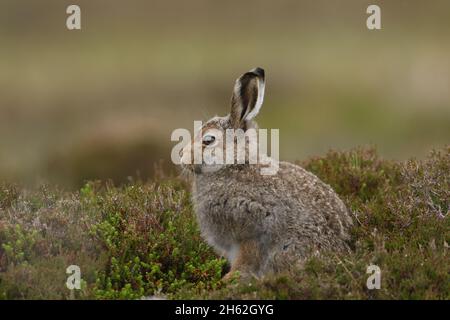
[261,223]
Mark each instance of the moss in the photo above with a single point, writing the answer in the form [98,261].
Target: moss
[142,239]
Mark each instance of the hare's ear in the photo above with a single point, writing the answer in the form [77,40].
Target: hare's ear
[247,98]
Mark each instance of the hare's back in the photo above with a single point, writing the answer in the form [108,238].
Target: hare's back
[316,198]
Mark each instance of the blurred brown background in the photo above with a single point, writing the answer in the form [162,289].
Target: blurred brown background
[102,102]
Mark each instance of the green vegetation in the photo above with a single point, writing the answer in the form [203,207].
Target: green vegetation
[141,239]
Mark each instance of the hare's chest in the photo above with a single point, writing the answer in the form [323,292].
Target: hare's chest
[212,213]
[217,226]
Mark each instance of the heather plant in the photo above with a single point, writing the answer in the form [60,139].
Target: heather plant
[141,239]
[41,234]
[154,243]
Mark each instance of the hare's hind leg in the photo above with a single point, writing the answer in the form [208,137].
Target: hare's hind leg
[247,261]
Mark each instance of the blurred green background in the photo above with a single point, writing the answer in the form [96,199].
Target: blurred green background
[102,102]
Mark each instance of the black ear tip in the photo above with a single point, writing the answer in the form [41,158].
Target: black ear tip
[259,72]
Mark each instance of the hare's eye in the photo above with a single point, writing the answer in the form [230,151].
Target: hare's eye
[208,139]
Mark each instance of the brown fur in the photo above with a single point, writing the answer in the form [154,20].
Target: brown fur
[264,223]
